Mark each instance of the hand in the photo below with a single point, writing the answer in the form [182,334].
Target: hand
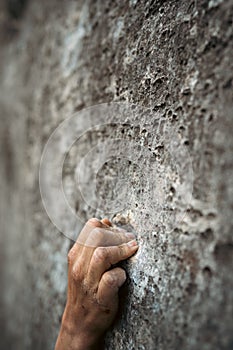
[93,285]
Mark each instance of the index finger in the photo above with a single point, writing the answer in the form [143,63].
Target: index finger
[102,237]
[104,257]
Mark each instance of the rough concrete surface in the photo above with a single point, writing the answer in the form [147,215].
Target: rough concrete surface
[173,57]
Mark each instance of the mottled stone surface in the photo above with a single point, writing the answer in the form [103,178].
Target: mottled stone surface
[174,57]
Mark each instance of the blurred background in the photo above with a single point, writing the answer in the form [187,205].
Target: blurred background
[173,57]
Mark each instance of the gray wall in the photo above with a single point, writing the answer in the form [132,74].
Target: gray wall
[174,57]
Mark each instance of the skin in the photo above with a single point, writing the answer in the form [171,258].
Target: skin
[93,284]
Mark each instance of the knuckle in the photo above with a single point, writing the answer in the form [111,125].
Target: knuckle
[97,231]
[122,250]
[110,279]
[122,275]
[101,254]
[97,235]
[118,238]
[93,222]
[76,272]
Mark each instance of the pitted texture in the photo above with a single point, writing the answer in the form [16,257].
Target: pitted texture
[174,57]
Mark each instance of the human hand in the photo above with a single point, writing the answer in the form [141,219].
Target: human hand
[93,284]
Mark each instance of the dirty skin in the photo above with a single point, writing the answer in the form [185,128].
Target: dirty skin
[94,280]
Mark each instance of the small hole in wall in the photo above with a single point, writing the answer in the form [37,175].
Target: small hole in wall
[77,206]
[211,216]
[210,117]
[207,272]
[172,189]
[207,235]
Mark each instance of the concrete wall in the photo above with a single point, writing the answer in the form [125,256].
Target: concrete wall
[173,57]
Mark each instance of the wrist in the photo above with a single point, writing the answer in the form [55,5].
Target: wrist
[71,336]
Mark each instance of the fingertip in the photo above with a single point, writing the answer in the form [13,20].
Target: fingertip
[107,222]
[94,222]
[132,244]
[132,248]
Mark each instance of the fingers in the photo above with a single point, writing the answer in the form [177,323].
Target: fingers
[107,237]
[89,226]
[76,250]
[109,286]
[94,234]
[104,257]
[106,222]
[90,263]
[94,224]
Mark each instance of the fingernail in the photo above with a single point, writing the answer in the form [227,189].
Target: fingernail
[132,243]
[130,235]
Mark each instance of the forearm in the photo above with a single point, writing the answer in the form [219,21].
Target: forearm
[69,340]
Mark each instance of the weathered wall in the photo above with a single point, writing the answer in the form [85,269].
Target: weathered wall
[174,57]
